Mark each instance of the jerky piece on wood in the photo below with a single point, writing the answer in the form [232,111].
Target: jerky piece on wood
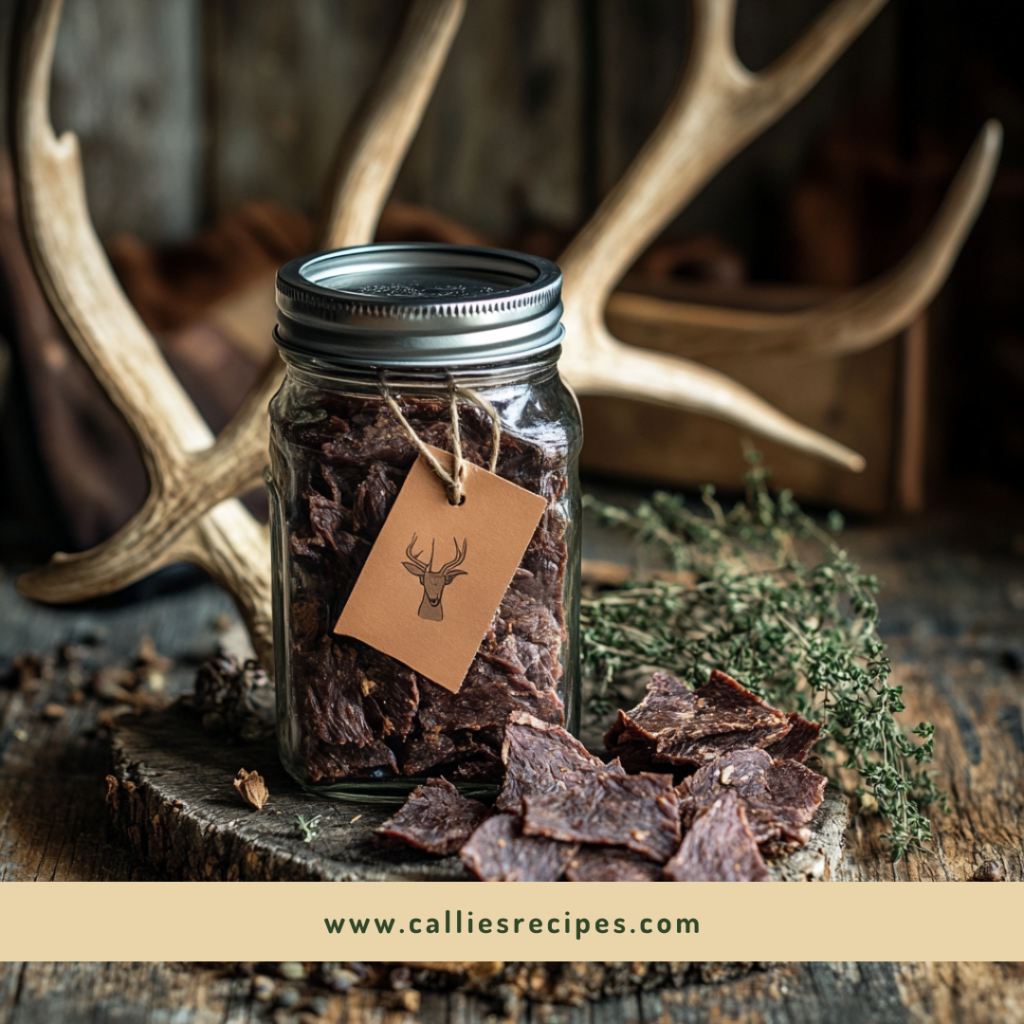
[611,864]
[680,750]
[435,818]
[326,762]
[540,757]
[798,741]
[499,852]
[779,797]
[640,812]
[720,705]
[674,725]
[719,848]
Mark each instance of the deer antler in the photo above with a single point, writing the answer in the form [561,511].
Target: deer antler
[855,321]
[460,557]
[415,559]
[187,514]
[718,107]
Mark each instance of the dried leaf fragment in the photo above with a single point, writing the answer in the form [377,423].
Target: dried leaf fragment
[252,788]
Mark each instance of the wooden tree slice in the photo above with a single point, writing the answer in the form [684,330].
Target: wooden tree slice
[172,796]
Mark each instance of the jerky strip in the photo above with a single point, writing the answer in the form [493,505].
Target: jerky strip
[637,811]
[720,705]
[719,848]
[685,728]
[778,797]
[611,864]
[797,743]
[542,758]
[435,818]
[499,852]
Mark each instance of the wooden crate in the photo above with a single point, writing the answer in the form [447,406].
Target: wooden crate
[872,401]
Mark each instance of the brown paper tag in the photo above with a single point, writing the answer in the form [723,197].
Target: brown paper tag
[437,572]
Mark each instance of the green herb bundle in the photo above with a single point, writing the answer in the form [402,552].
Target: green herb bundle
[804,637]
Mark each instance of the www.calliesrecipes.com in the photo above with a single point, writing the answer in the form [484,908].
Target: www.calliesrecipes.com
[464,923]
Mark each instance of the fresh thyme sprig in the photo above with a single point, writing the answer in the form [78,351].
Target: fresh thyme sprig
[803,636]
[309,828]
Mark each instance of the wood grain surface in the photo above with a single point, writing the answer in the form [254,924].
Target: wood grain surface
[952,613]
[808,993]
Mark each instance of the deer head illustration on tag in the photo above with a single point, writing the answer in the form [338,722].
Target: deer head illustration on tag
[434,580]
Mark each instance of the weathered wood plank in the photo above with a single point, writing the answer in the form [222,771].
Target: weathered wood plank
[954,622]
[126,80]
[794,993]
[284,80]
[500,145]
[52,822]
[853,399]
[947,993]
[129,993]
[177,806]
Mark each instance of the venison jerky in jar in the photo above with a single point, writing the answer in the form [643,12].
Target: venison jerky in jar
[365,333]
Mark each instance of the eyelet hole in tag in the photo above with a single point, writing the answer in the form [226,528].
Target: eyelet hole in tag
[432,615]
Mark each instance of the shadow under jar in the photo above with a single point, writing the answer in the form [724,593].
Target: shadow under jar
[415,321]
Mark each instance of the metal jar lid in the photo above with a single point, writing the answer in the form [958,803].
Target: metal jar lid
[418,304]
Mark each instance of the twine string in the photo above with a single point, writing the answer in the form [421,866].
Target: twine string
[453,481]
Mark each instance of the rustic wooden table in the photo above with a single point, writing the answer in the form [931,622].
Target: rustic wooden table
[952,613]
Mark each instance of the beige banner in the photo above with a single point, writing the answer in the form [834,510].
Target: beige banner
[524,921]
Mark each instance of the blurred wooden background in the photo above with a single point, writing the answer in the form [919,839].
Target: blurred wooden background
[188,108]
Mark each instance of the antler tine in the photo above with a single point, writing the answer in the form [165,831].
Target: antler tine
[372,152]
[74,270]
[124,357]
[628,372]
[856,320]
[415,559]
[370,155]
[460,556]
[718,107]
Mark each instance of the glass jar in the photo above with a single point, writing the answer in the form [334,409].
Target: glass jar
[414,321]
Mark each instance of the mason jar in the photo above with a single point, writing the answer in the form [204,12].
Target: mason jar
[388,348]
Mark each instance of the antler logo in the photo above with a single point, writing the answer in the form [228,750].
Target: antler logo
[433,581]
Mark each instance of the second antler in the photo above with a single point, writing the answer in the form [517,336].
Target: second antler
[718,108]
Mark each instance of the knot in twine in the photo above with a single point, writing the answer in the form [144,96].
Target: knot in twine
[454,481]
